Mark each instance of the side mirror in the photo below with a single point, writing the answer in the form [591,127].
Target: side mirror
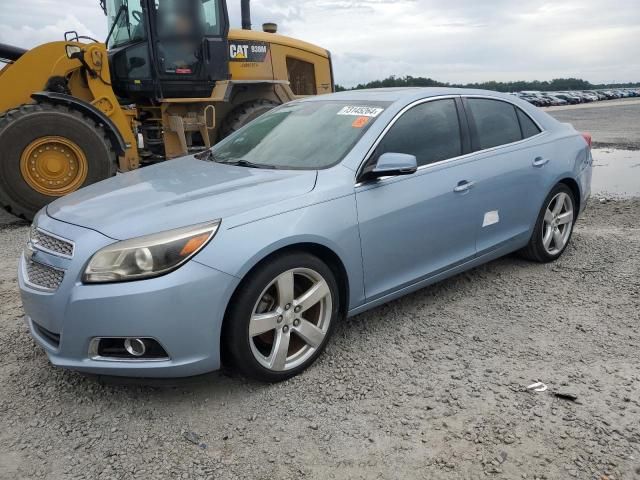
[391,164]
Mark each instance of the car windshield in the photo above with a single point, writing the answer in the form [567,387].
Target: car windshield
[304,135]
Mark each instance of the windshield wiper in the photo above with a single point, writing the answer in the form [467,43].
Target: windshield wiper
[248,164]
[209,156]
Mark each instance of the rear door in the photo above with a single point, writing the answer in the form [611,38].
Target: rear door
[509,182]
[414,226]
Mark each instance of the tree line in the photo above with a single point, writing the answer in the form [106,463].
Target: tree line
[557,84]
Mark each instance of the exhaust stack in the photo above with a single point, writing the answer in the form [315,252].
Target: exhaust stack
[245,7]
[10,53]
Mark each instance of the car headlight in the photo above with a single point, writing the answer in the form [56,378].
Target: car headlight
[148,256]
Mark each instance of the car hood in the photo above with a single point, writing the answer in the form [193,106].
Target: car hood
[175,194]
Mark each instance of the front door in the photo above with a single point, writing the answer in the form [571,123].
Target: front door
[191,45]
[413,227]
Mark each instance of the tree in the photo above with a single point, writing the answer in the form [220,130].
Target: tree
[515,86]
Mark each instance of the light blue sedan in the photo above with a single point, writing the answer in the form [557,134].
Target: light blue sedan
[250,253]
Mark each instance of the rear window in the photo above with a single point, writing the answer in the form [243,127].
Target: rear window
[302,76]
[496,122]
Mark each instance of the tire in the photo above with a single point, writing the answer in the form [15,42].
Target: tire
[252,346]
[20,132]
[545,245]
[244,114]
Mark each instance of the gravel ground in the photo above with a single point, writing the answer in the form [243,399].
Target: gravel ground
[613,123]
[430,386]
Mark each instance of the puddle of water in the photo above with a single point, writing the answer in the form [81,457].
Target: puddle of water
[616,172]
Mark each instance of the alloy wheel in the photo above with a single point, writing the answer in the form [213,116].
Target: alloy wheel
[558,223]
[291,319]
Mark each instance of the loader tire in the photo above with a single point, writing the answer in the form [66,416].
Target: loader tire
[47,151]
[245,113]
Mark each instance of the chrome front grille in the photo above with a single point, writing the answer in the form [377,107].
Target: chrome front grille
[50,243]
[43,276]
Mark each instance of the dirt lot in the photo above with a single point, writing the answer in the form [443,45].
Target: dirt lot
[430,386]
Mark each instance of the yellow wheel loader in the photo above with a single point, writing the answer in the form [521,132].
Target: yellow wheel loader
[170,80]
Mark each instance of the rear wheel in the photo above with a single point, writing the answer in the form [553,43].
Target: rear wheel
[282,317]
[244,114]
[554,226]
[48,151]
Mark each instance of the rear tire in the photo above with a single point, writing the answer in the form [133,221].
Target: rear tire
[244,114]
[83,156]
[554,226]
[292,298]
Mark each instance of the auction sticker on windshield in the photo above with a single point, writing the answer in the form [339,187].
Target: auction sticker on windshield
[361,111]
[360,122]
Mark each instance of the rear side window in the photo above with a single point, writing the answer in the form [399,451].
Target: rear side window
[430,131]
[529,128]
[496,122]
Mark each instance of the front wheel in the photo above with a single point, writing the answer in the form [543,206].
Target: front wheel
[553,229]
[282,317]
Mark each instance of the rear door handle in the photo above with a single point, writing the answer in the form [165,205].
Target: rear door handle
[463,186]
[540,162]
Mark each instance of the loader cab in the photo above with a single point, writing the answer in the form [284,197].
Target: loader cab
[167,48]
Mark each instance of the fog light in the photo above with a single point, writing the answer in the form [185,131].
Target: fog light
[135,347]
[127,349]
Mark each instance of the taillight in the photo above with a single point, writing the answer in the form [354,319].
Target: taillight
[587,137]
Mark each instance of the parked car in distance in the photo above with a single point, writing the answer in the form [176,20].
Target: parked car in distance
[556,101]
[573,100]
[251,252]
[537,101]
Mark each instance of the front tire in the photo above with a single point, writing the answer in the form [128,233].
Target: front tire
[554,226]
[281,318]
[47,151]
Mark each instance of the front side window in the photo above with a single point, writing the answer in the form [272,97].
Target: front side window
[430,131]
[496,122]
[302,135]
[128,19]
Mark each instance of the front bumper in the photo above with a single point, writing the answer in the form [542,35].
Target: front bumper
[183,311]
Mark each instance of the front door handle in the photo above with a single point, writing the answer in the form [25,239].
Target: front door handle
[540,162]
[463,186]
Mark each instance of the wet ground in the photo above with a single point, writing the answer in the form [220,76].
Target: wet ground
[615,128]
[616,173]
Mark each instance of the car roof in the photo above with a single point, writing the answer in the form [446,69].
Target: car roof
[398,98]
[404,94]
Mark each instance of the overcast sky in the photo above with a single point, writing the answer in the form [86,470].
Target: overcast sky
[448,40]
